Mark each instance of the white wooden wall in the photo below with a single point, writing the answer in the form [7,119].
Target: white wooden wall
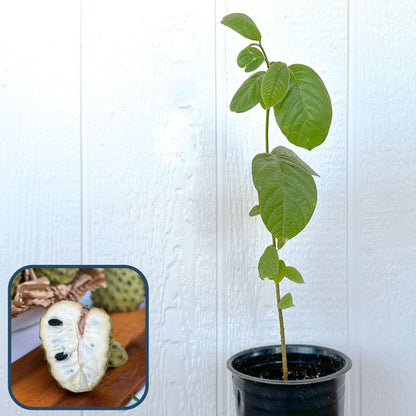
[117,147]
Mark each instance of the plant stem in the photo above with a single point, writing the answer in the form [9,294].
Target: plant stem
[267,129]
[281,323]
[264,54]
[282,335]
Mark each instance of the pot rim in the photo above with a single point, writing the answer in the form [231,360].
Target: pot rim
[299,348]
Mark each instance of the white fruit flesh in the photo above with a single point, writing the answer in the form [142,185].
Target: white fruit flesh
[76,341]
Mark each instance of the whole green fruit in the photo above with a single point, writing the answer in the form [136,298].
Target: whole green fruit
[124,292]
[57,275]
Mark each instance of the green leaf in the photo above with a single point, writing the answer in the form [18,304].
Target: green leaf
[287,192]
[293,274]
[280,275]
[289,156]
[243,25]
[304,115]
[250,58]
[269,263]
[290,272]
[254,211]
[286,302]
[262,102]
[275,84]
[248,95]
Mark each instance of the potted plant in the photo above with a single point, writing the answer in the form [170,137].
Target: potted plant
[285,380]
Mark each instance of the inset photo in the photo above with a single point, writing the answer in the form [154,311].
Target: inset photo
[78,337]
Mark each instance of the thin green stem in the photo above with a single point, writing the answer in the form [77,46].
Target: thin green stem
[267,129]
[282,335]
[264,54]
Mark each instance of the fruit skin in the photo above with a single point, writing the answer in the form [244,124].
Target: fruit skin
[124,292]
[118,354]
[58,275]
[60,321]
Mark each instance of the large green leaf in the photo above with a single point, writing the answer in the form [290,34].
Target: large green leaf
[305,114]
[248,95]
[243,25]
[250,58]
[289,156]
[286,190]
[275,84]
[269,263]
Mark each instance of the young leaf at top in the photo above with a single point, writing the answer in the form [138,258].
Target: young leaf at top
[269,263]
[243,25]
[304,115]
[250,58]
[275,84]
[286,302]
[286,190]
[248,95]
[254,211]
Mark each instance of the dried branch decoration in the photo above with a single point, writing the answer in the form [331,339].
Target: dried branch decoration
[35,292]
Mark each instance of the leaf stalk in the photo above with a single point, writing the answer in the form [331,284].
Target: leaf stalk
[264,53]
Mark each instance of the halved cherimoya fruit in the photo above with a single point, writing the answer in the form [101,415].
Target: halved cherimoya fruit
[76,341]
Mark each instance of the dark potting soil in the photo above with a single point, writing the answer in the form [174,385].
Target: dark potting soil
[270,367]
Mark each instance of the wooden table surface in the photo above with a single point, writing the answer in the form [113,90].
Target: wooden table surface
[33,386]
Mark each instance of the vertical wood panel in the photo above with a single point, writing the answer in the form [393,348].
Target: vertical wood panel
[39,152]
[314,34]
[383,185]
[149,174]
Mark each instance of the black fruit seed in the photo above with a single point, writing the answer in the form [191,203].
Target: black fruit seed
[55,322]
[61,356]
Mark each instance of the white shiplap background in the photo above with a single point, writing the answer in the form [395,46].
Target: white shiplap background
[117,147]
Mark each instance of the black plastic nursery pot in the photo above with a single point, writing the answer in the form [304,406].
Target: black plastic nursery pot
[258,393]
